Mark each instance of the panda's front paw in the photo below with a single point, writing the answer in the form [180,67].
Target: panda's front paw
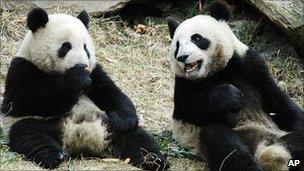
[79,77]
[226,98]
[152,161]
[51,158]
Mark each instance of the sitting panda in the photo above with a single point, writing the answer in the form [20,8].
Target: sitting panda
[224,96]
[58,101]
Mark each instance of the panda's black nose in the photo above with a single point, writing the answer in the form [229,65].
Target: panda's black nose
[81,65]
[182,58]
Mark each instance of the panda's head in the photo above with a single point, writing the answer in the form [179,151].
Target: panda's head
[57,42]
[203,44]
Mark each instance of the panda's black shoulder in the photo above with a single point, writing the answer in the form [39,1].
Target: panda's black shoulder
[21,64]
[252,56]
[21,68]
[18,61]
[251,60]
[251,67]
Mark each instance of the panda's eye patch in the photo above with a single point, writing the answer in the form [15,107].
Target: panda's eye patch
[86,50]
[200,41]
[177,49]
[64,49]
[196,38]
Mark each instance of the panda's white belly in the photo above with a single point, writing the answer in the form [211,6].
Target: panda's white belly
[187,135]
[86,128]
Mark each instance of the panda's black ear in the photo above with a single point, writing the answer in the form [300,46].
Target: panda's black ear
[172,24]
[37,18]
[83,16]
[220,10]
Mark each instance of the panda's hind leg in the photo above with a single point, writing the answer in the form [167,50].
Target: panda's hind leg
[272,157]
[38,140]
[141,148]
[276,156]
[225,151]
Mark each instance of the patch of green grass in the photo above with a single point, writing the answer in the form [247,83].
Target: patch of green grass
[7,157]
[171,148]
[165,140]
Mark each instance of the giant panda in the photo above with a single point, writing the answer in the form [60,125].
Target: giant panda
[59,103]
[227,106]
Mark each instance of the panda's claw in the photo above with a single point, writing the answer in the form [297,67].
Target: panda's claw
[153,161]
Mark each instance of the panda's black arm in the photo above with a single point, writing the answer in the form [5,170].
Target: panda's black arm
[108,97]
[30,91]
[288,115]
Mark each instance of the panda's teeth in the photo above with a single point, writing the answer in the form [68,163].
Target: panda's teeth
[189,70]
[88,69]
[191,66]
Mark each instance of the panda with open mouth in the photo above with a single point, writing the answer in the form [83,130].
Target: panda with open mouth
[227,106]
[58,101]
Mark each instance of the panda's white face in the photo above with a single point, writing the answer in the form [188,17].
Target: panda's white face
[63,42]
[201,46]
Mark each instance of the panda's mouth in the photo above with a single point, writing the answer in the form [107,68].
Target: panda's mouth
[196,65]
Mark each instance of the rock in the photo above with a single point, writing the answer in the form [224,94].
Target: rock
[287,15]
[93,7]
[90,6]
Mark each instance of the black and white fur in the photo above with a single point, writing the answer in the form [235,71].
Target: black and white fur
[58,101]
[221,84]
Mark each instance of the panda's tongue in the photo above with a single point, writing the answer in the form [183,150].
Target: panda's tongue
[190,66]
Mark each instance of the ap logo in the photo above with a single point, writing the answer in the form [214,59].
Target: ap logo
[293,163]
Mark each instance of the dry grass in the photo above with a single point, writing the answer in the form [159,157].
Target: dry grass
[139,64]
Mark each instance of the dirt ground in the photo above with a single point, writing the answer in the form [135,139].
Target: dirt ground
[139,64]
